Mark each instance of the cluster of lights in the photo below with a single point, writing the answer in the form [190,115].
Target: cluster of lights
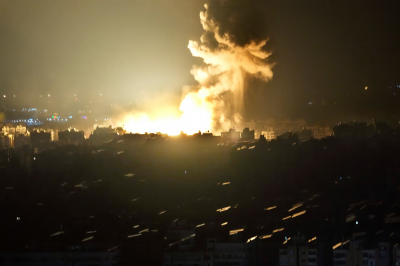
[55,117]
[24,120]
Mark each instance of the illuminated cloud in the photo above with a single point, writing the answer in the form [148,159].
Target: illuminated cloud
[232,47]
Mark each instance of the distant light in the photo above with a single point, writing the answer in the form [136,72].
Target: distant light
[48,95]
[285,237]
[18,218]
[4,96]
[101,94]
[185,172]
[349,177]
[34,158]
[74,94]
[340,178]
[70,116]
[356,222]
[310,103]
[14,95]
[366,87]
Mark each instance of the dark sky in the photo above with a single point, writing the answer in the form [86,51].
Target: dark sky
[326,52]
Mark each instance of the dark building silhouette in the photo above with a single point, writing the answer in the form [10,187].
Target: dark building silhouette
[20,141]
[247,134]
[72,136]
[40,141]
[102,135]
[353,129]
[231,135]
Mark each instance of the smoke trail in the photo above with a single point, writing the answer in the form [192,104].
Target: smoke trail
[232,47]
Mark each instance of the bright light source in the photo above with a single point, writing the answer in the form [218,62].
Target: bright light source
[34,158]
[18,218]
[356,222]
[48,95]
[4,96]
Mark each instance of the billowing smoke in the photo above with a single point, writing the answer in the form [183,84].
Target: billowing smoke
[233,47]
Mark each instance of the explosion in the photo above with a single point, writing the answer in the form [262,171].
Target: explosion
[232,47]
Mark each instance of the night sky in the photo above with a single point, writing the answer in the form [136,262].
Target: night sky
[326,52]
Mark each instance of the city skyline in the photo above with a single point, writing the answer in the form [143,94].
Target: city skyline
[337,91]
[199,133]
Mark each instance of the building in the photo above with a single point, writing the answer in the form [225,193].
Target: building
[71,137]
[40,140]
[321,132]
[54,134]
[353,129]
[103,131]
[299,252]
[20,129]
[269,134]
[215,253]
[102,135]
[247,134]
[231,135]
[7,141]
[120,131]
[302,255]
[305,134]
[396,255]
[230,253]
[281,127]
[179,229]
[356,253]
[59,258]
[21,141]
[13,129]
[11,133]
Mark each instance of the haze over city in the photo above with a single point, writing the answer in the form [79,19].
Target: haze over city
[199,132]
[141,63]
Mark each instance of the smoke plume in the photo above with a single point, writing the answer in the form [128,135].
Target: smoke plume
[233,47]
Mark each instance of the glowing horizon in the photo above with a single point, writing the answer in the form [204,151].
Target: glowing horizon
[216,103]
